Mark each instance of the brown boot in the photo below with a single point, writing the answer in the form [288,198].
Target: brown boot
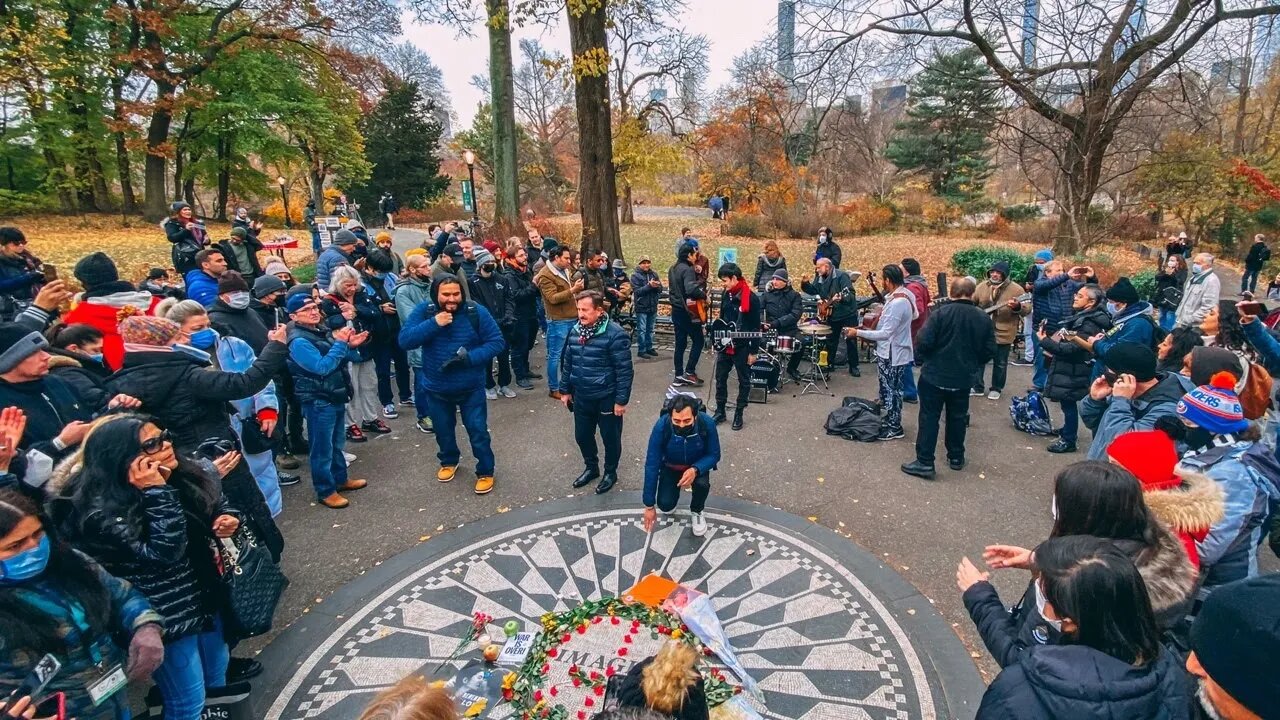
[350,485]
[335,502]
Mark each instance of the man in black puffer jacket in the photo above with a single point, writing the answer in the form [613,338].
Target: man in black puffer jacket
[489,289]
[231,315]
[783,307]
[595,384]
[954,343]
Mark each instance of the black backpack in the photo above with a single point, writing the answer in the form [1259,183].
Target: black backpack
[699,408]
[855,419]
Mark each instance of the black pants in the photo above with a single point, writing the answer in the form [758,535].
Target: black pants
[688,333]
[591,414]
[669,490]
[738,363]
[520,341]
[933,402]
[999,370]
[850,344]
[504,370]
[384,353]
[291,412]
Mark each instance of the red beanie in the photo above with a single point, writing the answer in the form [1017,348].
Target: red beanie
[1150,455]
[492,246]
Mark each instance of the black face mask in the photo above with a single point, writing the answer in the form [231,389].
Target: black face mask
[488,267]
[689,431]
[279,301]
[1197,438]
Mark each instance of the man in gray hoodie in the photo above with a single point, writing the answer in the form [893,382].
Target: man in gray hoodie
[894,353]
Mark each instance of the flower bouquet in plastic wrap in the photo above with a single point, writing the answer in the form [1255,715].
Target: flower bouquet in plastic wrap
[739,708]
[698,614]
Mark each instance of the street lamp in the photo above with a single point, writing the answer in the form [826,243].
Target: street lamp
[469,158]
[284,198]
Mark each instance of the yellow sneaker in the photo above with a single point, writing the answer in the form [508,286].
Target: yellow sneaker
[446,473]
[484,484]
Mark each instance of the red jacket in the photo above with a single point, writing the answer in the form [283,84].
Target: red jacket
[103,313]
[919,288]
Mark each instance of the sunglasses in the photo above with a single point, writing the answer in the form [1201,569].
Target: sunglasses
[153,445]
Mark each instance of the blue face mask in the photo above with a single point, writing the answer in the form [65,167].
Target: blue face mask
[96,357]
[204,339]
[1111,308]
[1196,268]
[26,565]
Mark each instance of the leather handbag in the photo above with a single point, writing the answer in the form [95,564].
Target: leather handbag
[252,581]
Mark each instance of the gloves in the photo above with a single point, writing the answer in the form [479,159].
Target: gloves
[146,652]
[457,361]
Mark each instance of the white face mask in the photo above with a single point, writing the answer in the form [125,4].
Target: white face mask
[1197,268]
[238,300]
[1040,603]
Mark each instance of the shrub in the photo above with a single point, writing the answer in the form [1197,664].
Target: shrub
[16,203]
[864,215]
[1144,281]
[304,274]
[565,233]
[747,225]
[1040,233]
[439,210]
[977,260]
[796,222]
[1021,213]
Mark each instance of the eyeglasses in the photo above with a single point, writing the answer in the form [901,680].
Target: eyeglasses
[153,445]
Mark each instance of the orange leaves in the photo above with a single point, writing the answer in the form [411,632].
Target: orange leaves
[1255,178]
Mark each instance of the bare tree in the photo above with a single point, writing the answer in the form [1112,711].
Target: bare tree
[410,63]
[544,106]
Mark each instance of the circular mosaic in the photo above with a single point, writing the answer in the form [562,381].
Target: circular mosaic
[819,644]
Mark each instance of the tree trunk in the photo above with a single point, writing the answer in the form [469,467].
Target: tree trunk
[224,178]
[58,179]
[1078,180]
[155,206]
[628,209]
[597,190]
[506,166]
[128,201]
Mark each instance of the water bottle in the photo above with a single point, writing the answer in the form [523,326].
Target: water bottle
[822,358]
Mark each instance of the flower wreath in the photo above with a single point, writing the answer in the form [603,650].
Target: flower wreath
[524,687]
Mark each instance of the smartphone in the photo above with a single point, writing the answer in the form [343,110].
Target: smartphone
[1110,377]
[50,272]
[35,682]
[1252,308]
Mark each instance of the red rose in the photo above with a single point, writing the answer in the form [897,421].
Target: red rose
[589,702]
[552,652]
[615,620]
[573,669]
[622,652]
[599,690]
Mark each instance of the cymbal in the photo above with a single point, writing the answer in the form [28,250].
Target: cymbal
[815,329]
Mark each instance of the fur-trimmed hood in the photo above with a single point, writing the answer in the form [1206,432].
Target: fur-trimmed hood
[62,473]
[1169,575]
[1190,508]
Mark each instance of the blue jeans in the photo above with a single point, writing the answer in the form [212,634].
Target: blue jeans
[444,409]
[542,316]
[327,433]
[1249,280]
[909,391]
[1040,373]
[191,664]
[1166,319]
[420,392]
[1070,421]
[557,333]
[644,331]
[315,241]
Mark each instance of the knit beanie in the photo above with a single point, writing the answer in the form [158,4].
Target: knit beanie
[1150,455]
[1209,361]
[17,343]
[491,246]
[148,330]
[1214,407]
[483,256]
[1123,291]
[1044,256]
[96,269]
[383,235]
[781,274]
[1236,638]
[266,285]
[239,232]
[345,237]
[277,267]
[1134,359]
[232,281]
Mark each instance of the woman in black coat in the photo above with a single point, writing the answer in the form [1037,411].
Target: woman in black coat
[1168,291]
[176,385]
[148,517]
[669,683]
[1071,367]
[1111,663]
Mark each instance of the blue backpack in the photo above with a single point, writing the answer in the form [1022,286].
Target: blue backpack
[1030,414]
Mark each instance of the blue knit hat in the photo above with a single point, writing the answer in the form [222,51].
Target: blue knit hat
[1214,407]
[1044,256]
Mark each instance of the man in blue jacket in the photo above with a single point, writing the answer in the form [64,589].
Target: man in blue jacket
[1051,298]
[1132,322]
[458,339]
[684,447]
[202,283]
[338,253]
[595,384]
[1129,395]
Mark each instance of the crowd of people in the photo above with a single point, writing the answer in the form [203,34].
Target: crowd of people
[149,421]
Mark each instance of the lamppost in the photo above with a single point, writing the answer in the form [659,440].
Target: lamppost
[469,158]
[284,198]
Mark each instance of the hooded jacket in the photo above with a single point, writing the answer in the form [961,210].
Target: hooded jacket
[1189,509]
[441,344]
[244,324]
[49,404]
[492,293]
[682,279]
[1112,417]
[829,250]
[524,294]
[1076,682]
[1008,322]
[102,308]
[252,246]
[957,340]
[700,450]
[765,268]
[1166,571]
[409,294]
[1071,369]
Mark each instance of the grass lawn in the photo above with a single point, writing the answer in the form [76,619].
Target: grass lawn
[62,241]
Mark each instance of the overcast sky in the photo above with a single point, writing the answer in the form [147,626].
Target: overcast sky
[732,26]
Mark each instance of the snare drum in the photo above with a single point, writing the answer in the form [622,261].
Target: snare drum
[785,345]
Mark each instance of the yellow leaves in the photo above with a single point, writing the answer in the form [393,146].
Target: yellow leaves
[592,63]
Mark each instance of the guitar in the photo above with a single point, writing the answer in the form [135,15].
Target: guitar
[871,319]
[825,307]
[723,333]
[1025,297]
[697,310]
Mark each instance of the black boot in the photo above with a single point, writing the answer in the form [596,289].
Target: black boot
[241,669]
[591,473]
[720,417]
[737,419]
[607,482]
[919,469]
[855,371]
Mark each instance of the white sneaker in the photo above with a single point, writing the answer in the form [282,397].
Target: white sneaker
[351,457]
[699,524]
[389,411]
[993,395]
[491,393]
[506,391]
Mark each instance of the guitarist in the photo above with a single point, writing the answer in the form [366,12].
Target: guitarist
[829,284]
[741,306]
[687,298]
[998,290]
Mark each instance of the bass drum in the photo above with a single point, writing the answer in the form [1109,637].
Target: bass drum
[766,373]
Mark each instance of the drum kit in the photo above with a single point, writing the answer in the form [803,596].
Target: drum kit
[766,373]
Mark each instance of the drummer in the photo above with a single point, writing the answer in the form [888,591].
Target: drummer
[782,311]
[829,283]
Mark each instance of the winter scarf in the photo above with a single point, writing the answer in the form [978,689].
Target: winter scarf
[586,332]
